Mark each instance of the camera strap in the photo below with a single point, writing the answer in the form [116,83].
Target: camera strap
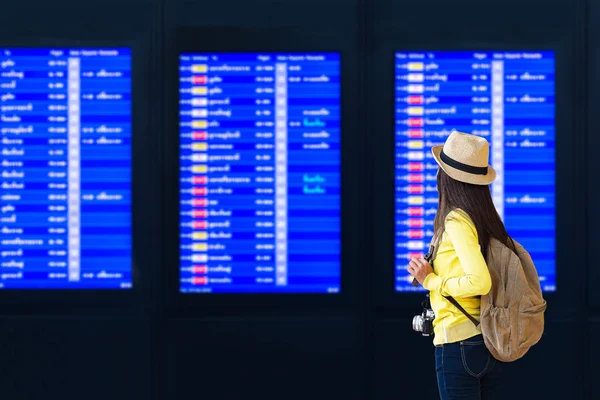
[432,253]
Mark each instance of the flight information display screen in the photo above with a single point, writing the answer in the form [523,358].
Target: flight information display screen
[505,97]
[65,122]
[260,172]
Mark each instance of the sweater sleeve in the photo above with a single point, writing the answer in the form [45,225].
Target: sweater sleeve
[476,280]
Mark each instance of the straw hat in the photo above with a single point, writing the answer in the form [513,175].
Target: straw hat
[464,157]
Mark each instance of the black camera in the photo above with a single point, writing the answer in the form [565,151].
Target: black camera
[424,323]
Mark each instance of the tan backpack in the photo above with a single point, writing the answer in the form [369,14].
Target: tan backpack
[512,313]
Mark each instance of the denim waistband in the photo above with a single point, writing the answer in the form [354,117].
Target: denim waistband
[476,337]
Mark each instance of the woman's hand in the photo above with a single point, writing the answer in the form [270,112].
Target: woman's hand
[419,268]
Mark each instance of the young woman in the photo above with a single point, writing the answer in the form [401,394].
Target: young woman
[466,219]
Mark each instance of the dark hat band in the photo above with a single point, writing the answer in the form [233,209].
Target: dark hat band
[463,167]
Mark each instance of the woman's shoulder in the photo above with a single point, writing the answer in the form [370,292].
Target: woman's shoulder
[459,217]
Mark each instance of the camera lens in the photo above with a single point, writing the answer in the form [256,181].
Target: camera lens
[417,323]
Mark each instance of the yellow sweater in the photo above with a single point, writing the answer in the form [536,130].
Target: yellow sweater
[460,271]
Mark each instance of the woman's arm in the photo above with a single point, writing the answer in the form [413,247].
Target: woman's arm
[477,280]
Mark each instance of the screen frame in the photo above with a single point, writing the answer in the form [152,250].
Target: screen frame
[94,297]
[240,40]
[384,248]
[593,142]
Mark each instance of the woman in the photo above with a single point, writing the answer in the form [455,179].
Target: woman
[466,220]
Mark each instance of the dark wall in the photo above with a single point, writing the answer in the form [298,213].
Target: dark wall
[149,345]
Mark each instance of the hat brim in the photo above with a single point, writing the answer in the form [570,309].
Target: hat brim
[462,176]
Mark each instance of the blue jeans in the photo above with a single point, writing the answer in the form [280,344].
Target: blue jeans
[467,370]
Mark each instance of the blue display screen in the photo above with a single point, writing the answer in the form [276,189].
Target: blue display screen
[505,97]
[65,122]
[260,173]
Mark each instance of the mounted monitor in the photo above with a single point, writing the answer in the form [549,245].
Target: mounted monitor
[65,122]
[259,172]
[505,97]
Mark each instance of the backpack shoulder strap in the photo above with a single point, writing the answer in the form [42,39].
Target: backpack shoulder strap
[462,310]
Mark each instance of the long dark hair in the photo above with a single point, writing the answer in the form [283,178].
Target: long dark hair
[476,202]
